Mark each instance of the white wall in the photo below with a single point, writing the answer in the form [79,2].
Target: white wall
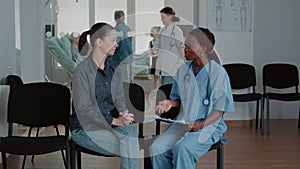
[104,10]
[73,16]
[7,56]
[232,46]
[183,9]
[17,23]
[7,39]
[276,39]
[146,11]
[32,37]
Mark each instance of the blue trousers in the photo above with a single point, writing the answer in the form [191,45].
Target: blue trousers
[123,141]
[177,149]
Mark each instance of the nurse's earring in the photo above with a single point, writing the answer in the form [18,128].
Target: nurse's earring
[202,54]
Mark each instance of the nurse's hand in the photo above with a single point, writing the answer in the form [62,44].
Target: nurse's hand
[195,126]
[163,106]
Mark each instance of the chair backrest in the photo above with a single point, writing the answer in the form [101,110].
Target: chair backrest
[280,76]
[14,80]
[135,100]
[163,93]
[39,104]
[241,75]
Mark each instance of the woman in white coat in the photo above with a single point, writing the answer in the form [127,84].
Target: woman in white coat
[170,46]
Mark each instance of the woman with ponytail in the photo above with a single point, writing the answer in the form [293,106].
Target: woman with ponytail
[102,122]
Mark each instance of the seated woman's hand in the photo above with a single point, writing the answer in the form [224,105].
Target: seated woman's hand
[127,118]
[124,119]
[163,106]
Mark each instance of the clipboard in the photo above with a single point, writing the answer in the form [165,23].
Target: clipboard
[158,118]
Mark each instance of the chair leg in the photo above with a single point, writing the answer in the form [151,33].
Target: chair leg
[62,152]
[262,118]
[157,128]
[37,135]
[257,112]
[73,154]
[141,130]
[23,163]
[147,159]
[147,163]
[78,160]
[299,119]
[268,115]
[4,163]
[24,159]
[68,151]
[220,157]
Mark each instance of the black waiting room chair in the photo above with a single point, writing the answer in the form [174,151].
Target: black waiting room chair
[135,101]
[14,81]
[37,105]
[243,77]
[163,93]
[279,76]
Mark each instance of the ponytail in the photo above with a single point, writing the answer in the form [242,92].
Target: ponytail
[98,30]
[175,18]
[83,45]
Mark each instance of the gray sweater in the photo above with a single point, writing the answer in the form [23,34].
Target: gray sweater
[93,112]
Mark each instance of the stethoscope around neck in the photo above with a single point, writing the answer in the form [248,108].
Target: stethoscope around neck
[172,38]
[187,81]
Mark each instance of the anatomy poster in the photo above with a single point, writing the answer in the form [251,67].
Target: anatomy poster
[229,15]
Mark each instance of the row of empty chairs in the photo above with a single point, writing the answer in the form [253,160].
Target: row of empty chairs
[275,76]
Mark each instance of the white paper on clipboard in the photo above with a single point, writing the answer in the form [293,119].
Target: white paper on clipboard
[170,120]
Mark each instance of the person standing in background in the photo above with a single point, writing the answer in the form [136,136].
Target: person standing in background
[154,53]
[123,55]
[170,46]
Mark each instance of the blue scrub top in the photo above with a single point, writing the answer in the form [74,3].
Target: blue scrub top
[192,90]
